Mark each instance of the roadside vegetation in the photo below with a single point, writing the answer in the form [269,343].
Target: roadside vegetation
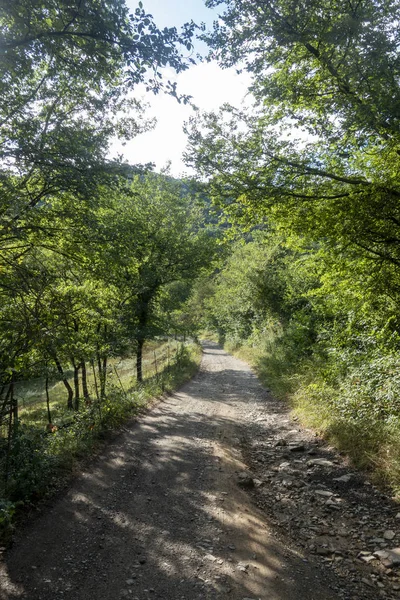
[79,305]
[339,370]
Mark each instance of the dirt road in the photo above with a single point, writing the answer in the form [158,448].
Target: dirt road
[161,515]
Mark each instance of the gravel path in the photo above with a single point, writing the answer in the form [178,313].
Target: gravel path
[161,515]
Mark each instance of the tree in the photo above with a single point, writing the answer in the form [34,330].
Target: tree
[68,71]
[320,152]
[158,238]
[318,60]
[317,159]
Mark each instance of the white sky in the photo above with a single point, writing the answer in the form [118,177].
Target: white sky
[209,85]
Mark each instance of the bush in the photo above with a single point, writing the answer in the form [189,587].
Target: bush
[349,396]
[7,511]
[30,465]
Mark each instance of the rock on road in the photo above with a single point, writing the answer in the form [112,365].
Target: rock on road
[160,515]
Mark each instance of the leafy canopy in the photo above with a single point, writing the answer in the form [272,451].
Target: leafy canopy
[319,154]
[67,73]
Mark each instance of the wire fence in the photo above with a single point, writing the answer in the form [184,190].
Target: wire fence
[41,399]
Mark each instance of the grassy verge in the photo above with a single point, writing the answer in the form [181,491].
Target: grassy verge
[372,445]
[120,374]
[348,414]
[39,462]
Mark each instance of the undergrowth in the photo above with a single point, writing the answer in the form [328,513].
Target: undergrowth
[38,462]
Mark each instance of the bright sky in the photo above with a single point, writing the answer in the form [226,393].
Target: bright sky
[209,85]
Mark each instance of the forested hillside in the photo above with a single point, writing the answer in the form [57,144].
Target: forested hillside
[310,176]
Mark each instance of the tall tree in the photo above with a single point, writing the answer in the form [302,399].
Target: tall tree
[68,71]
[158,238]
[320,152]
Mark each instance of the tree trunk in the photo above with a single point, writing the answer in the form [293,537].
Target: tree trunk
[99,368]
[95,380]
[9,434]
[104,377]
[85,390]
[14,403]
[143,315]
[102,369]
[3,410]
[139,360]
[66,383]
[100,372]
[2,390]
[48,400]
[102,366]
[76,384]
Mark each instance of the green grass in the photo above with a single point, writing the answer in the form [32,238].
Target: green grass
[372,445]
[121,373]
